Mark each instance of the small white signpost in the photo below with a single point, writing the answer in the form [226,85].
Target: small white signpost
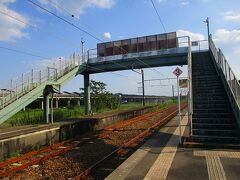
[177,72]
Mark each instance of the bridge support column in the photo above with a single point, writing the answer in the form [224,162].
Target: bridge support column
[69,102]
[56,105]
[79,102]
[87,102]
[42,104]
[46,107]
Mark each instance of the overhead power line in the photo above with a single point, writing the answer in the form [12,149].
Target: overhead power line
[159,18]
[23,52]
[40,56]
[35,27]
[86,32]
[66,21]
[28,53]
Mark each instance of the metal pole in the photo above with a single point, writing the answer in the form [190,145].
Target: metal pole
[52,110]
[173,92]
[143,88]
[32,77]
[11,88]
[179,113]
[60,71]
[28,83]
[208,28]
[3,100]
[16,91]
[88,54]
[46,107]
[40,77]
[189,113]
[48,75]
[22,83]
[74,62]
[56,76]
[87,102]
[56,103]
[82,47]
[208,31]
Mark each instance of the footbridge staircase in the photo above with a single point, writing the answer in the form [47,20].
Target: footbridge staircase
[216,99]
[21,91]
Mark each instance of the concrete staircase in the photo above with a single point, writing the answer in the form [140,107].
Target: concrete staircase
[213,120]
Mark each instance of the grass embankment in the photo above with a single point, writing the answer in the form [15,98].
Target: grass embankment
[35,116]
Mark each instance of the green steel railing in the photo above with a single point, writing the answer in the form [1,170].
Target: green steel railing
[22,85]
[230,80]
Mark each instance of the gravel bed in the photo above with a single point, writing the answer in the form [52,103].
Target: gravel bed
[79,159]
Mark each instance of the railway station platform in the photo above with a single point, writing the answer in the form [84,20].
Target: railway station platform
[161,158]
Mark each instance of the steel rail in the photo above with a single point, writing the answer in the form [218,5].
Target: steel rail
[56,149]
[119,150]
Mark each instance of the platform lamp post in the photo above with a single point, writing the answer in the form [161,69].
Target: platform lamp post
[208,31]
[82,47]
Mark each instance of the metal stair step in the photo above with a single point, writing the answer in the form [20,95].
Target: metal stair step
[213,132]
[210,82]
[215,139]
[209,94]
[215,126]
[218,120]
[208,87]
[212,115]
[209,99]
[211,106]
[220,110]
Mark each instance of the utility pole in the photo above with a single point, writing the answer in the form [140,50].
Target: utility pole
[52,109]
[143,88]
[173,91]
[207,22]
[82,47]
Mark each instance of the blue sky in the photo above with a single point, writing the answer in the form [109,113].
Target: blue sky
[44,35]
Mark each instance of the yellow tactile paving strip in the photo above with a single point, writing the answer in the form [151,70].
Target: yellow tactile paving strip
[161,166]
[125,168]
[215,168]
[214,165]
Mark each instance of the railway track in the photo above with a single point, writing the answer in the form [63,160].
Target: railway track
[12,166]
[124,149]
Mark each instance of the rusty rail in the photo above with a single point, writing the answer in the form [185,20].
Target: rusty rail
[119,151]
[56,149]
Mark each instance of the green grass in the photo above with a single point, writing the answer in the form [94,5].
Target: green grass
[35,116]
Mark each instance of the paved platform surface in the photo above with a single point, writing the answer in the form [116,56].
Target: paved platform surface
[161,158]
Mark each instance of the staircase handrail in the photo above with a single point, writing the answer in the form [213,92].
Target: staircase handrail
[25,83]
[227,71]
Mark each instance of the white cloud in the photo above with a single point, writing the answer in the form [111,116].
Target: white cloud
[77,7]
[184,3]
[228,41]
[10,29]
[227,36]
[231,16]
[193,36]
[107,35]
